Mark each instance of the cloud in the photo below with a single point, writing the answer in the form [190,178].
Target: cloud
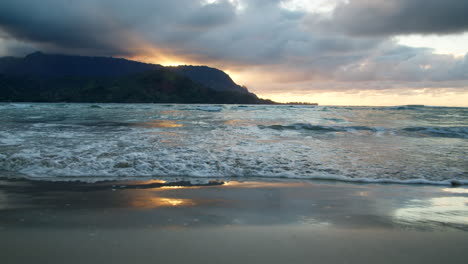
[273,44]
[106,27]
[263,33]
[405,64]
[62,25]
[13,47]
[210,15]
[396,17]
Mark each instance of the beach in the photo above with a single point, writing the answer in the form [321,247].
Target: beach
[137,183]
[254,221]
[233,131]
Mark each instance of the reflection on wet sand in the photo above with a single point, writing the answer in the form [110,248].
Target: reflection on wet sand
[438,211]
[257,203]
[363,194]
[264,184]
[240,222]
[157,202]
[154,181]
[156,185]
[455,190]
[178,187]
[3,201]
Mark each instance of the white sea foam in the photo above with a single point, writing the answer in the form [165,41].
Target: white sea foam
[271,142]
[7,138]
[18,105]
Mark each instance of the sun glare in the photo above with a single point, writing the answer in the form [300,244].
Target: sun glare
[157,58]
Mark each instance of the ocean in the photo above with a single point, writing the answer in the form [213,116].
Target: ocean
[93,142]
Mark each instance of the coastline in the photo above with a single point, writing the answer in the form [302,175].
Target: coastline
[248,222]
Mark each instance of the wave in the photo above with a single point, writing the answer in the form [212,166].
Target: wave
[319,128]
[103,162]
[412,107]
[210,108]
[197,179]
[135,141]
[407,107]
[204,108]
[448,132]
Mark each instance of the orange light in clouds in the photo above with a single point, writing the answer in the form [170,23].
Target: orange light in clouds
[173,63]
[162,60]
[156,55]
[268,85]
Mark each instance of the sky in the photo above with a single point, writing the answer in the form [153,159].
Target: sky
[333,52]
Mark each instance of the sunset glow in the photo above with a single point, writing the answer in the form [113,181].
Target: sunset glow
[315,51]
[161,60]
[257,131]
[373,98]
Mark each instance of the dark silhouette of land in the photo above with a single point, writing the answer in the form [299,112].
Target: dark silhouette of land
[41,77]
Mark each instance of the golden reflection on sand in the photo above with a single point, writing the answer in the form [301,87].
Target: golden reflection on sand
[159,202]
[159,124]
[235,184]
[228,184]
[180,187]
[154,181]
[363,194]
[171,185]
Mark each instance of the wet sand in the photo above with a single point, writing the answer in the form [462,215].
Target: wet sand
[235,222]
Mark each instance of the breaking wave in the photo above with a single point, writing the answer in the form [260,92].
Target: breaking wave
[353,144]
[448,132]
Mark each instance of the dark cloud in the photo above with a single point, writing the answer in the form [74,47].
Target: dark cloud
[105,27]
[263,33]
[60,24]
[12,47]
[213,15]
[395,17]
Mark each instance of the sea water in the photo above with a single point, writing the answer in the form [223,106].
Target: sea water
[92,142]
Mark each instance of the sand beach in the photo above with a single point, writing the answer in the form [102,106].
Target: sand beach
[231,222]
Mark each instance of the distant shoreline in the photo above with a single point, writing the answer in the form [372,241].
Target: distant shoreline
[40,77]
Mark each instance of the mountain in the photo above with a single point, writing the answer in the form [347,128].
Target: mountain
[41,77]
[39,64]
[209,77]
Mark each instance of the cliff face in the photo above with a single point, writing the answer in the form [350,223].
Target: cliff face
[56,78]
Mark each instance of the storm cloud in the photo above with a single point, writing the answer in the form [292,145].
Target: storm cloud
[384,17]
[281,43]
